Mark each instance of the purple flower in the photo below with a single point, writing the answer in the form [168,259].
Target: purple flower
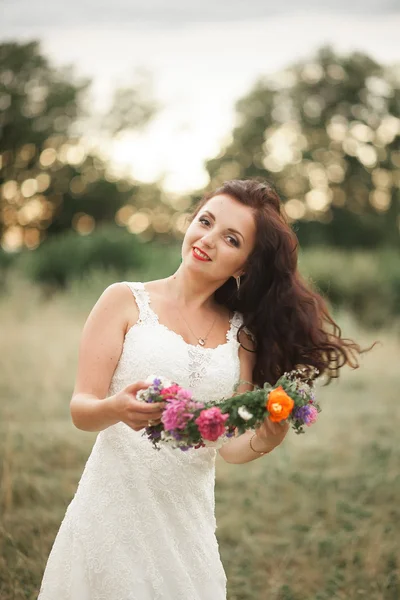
[307,414]
[184,448]
[153,433]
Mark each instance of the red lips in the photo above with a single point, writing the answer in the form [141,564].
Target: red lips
[200,257]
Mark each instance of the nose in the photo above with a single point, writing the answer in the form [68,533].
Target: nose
[207,240]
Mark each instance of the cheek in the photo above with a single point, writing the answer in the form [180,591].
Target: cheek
[230,258]
[239,260]
[188,236]
[192,231]
[191,236]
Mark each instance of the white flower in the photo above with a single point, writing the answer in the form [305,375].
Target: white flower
[244,413]
[142,395]
[167,437]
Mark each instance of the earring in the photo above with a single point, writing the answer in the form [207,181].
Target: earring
[238,282]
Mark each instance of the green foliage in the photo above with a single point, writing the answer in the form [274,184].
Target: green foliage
[48,180]
[365,283]
[38,100]
[7,259]
[72,256]
[326,132]
[364,230]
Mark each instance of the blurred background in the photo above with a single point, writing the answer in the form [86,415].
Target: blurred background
[115,118]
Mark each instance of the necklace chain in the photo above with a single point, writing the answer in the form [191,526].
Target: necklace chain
[201,340]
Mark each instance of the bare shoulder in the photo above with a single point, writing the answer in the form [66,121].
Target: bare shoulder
[118,292]
[117,303]
[102,339]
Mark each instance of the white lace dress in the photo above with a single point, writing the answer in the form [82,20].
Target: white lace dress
[141,525]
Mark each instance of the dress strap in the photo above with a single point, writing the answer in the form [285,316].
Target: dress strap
[146,314]
[236,320]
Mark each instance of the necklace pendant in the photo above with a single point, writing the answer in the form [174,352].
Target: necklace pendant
[202,341]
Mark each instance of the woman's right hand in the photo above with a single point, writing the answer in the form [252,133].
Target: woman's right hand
[134,413]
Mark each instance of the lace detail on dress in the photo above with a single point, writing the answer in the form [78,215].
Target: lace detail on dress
[198,360]
[141,295]
[236,322]
[199,356]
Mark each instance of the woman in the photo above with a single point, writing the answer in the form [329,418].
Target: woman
[142,525]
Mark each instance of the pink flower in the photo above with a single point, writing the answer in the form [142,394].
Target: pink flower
[184,394]
[307,413]
[170,392]
[211,423]
[312,415]
[175,415]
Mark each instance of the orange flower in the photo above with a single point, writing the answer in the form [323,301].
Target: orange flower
[279,405]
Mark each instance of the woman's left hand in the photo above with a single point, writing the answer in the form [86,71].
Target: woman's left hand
[271,434]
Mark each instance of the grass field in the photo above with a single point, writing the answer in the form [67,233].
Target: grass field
[317,519]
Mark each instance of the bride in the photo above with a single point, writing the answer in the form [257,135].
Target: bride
[141,525]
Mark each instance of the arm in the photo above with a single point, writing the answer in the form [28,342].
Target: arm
[100,349]
[268,436]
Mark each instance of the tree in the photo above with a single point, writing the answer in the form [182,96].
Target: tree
[326,132]
[49,181]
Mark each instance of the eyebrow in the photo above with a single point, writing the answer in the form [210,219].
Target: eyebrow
[229,228]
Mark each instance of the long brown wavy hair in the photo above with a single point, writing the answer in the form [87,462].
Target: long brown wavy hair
[289,322]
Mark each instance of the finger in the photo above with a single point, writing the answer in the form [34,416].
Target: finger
[142,419]
[268,424]
[146,422]
[144,416]
[136,427]
[135,387]
[150,422]
[272,427]
[137,423]
[147,408]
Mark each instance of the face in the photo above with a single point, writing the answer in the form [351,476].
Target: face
[220,238]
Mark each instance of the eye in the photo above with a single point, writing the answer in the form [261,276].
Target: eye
[233,241]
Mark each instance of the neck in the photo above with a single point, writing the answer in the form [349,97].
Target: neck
[191,291]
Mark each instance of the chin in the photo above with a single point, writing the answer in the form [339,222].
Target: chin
[192,265]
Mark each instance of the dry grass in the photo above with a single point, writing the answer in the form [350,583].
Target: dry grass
[318,519]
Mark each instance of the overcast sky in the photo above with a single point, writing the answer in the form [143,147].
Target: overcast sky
[203,55]
[20,15]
